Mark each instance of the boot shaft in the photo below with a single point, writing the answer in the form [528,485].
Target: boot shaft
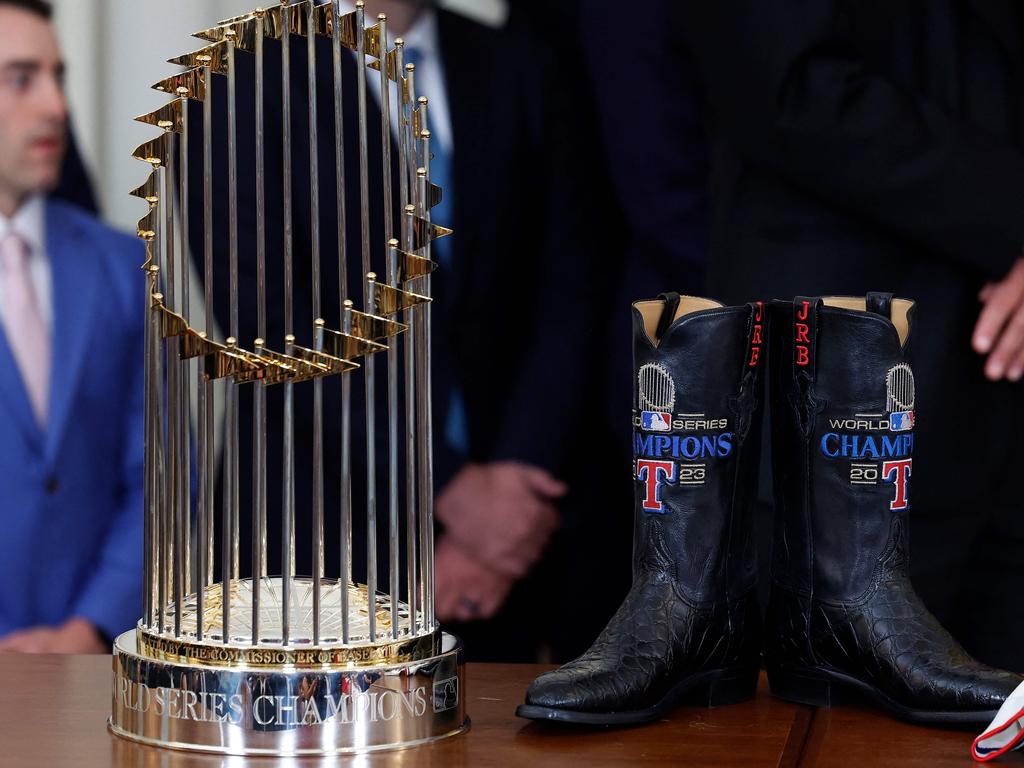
[842,417]
[696,395]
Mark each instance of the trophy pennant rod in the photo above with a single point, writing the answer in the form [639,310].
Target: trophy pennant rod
[184,529]
[369,379]
[173,511]
[259,458]
[406,170]
[345,555]
[382,290]
[318,343]
[425,452]
[160,475]
[149,495]
[288,485]
[205,448]
[230,489]
[231,37]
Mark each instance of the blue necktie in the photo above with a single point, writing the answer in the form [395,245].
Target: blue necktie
[456,431]
[440,174]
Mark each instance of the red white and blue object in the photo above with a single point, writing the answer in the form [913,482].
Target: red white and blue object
[901,421]
[655,421]
[1006,732]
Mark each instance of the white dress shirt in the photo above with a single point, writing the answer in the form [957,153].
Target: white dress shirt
[29,223]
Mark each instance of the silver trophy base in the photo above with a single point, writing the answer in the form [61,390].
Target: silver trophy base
[287,711]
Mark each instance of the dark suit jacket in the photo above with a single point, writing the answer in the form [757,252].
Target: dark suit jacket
[879,145]
[875,144]
[657,152]
[511,323]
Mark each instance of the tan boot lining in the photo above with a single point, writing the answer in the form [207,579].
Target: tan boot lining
[651,312]
[900,311]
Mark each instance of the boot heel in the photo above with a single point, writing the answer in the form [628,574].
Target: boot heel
[729,687]
[804,687]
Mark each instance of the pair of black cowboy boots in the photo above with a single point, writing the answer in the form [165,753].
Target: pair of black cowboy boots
[843,620]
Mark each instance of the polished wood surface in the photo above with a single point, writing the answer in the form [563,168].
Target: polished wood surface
[53,711]
[845,737]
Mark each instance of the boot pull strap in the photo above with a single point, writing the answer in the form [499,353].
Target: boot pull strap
[668,312]
[880,304]
[805,337]
[755,337]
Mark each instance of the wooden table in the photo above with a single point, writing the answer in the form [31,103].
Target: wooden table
[53,711]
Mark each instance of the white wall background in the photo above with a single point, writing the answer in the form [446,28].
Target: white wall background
[115,50]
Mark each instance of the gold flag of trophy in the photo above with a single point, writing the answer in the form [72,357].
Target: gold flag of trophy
[288,664]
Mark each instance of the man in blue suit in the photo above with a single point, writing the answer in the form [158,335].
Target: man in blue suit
[71,432]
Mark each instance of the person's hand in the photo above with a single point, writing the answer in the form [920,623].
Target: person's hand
[464,588]
[73,636]
[501,513]
[999,332]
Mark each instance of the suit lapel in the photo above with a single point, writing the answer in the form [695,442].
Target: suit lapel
[15,397]
[75,275]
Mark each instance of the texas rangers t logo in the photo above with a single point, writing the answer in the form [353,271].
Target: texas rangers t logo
[652,474]
[898,473]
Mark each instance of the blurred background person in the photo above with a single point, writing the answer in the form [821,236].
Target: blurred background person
[70,374]
[648,174]
[865,146]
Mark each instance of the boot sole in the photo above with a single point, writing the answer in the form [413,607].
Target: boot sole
[707,689]
[820,687]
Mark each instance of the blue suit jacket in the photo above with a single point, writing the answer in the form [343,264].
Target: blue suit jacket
[71,506]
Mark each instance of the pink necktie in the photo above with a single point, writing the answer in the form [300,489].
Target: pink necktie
[23,323]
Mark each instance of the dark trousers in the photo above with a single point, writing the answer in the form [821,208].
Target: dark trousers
[966,568]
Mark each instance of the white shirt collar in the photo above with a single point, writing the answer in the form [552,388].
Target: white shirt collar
[28,223]
[422,35]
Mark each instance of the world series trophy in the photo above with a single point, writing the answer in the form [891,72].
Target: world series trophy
[288,664]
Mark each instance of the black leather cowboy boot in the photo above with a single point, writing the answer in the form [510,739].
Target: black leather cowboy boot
[687,631]
[844,619]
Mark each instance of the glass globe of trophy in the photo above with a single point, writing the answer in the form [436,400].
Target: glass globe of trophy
[284,663]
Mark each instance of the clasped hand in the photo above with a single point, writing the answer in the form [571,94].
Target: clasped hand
[73,636]
[498,518]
